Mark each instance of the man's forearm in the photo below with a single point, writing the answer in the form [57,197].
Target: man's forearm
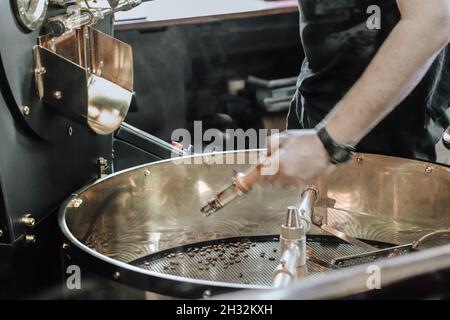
[394,72]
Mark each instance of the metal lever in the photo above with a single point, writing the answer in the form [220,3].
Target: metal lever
[343,236]
[293,241]
[317,221]
[242,184]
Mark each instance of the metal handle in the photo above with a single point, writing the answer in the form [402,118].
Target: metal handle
[286,272]
[306,208]
[293,240]
[242,183]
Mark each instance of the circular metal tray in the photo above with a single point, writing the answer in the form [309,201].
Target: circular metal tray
[131,215]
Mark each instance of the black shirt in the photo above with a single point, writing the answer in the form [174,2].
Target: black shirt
[338,46]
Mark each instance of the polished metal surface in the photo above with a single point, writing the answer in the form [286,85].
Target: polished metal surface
[371,256]
[343,236]
[247,261]
[433,239]
[30,13]
[293,246]
[111,59]
[108,105]
[101,77]
[87,13]
[156,206]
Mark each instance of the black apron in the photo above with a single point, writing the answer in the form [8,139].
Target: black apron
[338,46]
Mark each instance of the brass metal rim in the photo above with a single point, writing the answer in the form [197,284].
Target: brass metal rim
[30,13]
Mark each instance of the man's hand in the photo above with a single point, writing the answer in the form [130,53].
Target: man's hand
[300,156]
[397,68]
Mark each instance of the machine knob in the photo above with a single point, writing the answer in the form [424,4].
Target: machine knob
[28,221]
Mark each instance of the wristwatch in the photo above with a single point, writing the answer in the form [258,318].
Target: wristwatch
[339,153]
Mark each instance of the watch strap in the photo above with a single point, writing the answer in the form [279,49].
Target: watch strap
[339,153]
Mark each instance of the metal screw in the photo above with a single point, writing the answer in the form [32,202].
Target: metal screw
[65,246]
[1,233]
[359,159]
[75,203]
[102,161]
[428,169]
[70,131]
[26,110]
[28,220]
[41,71]
[57,95]
[206,294]
[116,275]
[30,238]
[146,173]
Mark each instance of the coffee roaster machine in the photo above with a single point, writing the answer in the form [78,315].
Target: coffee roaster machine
[66,86]
[71,226]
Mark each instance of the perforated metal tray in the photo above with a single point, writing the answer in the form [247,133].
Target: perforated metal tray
[242,260]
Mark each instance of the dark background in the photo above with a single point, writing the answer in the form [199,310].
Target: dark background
[181,72]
